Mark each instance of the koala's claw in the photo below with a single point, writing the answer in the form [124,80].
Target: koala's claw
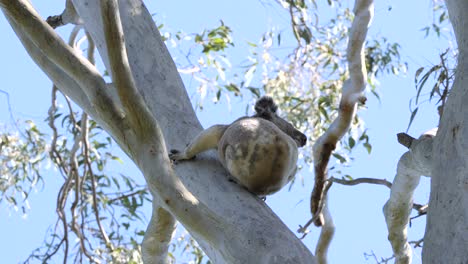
[174,154]
[174,151]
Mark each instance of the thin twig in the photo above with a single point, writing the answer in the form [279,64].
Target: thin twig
[110,201]
[10,110]
[417,243]
[93,185]
[421,209]
[361,180]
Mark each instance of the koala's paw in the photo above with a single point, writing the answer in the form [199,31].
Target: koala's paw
[175,155]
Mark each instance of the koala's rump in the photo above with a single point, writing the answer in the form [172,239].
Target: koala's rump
[258,155]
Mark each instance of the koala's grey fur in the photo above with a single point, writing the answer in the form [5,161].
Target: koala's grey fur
[260,152]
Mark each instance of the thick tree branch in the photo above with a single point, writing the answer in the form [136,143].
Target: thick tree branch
[63,81]
[326,235]
[134,106]
[58,52]
[412,165]
[352,94]
[161,228]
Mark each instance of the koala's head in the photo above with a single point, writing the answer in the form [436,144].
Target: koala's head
[266,109]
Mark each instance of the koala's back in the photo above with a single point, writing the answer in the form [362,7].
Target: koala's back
[258,155]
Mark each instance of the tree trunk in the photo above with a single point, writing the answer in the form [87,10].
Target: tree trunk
[446,238]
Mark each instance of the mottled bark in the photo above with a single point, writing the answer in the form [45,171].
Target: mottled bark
[446,238]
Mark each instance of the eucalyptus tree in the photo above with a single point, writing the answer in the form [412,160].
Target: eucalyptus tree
[146,110]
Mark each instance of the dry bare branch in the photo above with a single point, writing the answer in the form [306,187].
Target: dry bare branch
[361,180]
[421,209]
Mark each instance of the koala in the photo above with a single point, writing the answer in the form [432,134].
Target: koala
[259,152]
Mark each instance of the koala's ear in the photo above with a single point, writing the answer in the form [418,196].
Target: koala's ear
[265,106]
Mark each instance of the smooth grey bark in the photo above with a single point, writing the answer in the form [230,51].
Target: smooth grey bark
[446,238]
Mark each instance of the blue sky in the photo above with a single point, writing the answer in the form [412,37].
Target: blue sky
[357,211]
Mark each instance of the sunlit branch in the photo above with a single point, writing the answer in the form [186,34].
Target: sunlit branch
[326,235]
[59,77]
[132,101]
[352,94]
[31,26]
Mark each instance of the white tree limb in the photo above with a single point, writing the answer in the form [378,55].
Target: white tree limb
[326,236]
[155,247]
[141,119]
[59,53]
[412,165]
[66,84]
[352,93]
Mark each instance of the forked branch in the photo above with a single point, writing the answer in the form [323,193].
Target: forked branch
[134,106]
[31,26]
